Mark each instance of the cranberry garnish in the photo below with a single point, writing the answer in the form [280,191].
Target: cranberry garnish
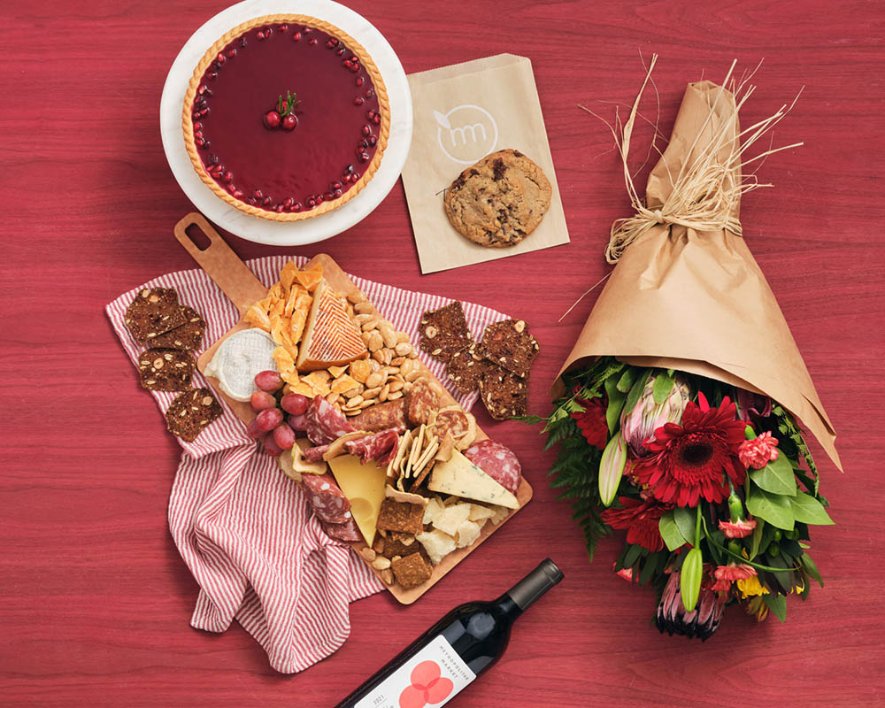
[373,141]
[267,201]
[297,206]
[212,75]
[228,176]
[272,119]
[284,27]
[220,58]
[364,157]
[278,208]
[290,122]
[355,176]
[367,130]
[336,185]
[258,194]
[252,201]
[313,42]
[289,202]
[377,119]
[370,114]
[297,36]
[198,126]
[329,196]
[338,192]
[340,51]
[308,30]
[360,80]
[358,101]
[370,93]
[320,199]
[311,202]
[232,52]
[238,194]
[260,34]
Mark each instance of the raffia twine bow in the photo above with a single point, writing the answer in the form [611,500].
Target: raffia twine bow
[708,188]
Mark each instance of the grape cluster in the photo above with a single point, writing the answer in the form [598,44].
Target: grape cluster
[279,416]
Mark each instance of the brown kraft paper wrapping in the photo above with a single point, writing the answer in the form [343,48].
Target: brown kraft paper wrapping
[462,113]
[697,301]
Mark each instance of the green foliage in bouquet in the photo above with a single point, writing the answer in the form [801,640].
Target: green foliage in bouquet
[714,486]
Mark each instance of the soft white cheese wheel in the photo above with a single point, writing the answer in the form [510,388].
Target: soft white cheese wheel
[239,358]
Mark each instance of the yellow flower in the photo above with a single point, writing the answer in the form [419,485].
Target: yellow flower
[756,606]
[751,587]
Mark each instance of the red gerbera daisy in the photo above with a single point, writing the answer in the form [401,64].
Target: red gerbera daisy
[592,421]
[695,459]
[640,518]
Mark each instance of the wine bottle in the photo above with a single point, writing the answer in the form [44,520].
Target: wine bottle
[452,653]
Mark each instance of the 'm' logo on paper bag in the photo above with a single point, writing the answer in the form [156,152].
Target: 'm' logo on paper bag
[466,133]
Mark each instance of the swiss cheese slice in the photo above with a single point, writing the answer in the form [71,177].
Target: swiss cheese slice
[331,337]
[461,478]
[363,485]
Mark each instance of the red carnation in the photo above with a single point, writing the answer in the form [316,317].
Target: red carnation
[592,421]
[640,518]
[697,458]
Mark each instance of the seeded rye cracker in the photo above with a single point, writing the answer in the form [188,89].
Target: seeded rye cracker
[165,369]
[187,336]
[465,369]
[508,344]
[190,412]
[411,571]
[154,312]
[504,394]
[444,331]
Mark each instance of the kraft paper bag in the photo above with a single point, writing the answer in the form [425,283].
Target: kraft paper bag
[697,301]
[462,113]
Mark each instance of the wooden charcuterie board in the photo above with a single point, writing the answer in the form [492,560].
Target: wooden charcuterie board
[235,279]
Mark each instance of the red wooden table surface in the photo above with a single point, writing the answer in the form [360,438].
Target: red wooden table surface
[94,600]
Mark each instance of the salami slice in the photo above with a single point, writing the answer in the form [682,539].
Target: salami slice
[381,416]
[324,423]
[314,454]
[497,461]
[326,498]
[347,532]
[381,446]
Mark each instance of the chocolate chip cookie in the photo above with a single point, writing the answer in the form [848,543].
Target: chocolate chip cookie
[499,201]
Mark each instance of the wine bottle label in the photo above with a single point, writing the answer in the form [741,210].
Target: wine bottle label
[432,677]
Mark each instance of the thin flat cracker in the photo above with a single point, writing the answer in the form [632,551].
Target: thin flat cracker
[503,393]
[191,412]
[187,336]
[509,344]
[444,331]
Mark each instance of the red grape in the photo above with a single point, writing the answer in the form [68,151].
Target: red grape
[268,419]
[253,431]
[262,400]
[295,403]
[297,422]
[284,436]
[270,447]
[269,381]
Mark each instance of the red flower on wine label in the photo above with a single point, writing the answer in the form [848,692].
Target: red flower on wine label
[427,687]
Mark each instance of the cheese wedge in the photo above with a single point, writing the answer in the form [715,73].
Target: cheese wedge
[461,478]
[331,337]
[363,485]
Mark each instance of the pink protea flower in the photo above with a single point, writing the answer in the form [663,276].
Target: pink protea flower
[701,622]
[737,529]
[756,453]
[639,424]
[726,574]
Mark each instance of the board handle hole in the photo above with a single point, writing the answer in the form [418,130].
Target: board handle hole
[198,237]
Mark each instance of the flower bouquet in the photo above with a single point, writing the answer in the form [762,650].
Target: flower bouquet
[676,413]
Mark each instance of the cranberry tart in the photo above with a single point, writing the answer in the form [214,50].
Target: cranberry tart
[286,117]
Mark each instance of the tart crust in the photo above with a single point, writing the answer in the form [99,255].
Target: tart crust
[370,68]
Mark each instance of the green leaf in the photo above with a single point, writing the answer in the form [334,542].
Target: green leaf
[670,532]
[625,383]
[685,520]
[776,477]
[661,388]
[636,391]
[772,508]
[810,568]
[756,539]
[615,404]
[690,579]
[632,555]
[809,510]
[777,604]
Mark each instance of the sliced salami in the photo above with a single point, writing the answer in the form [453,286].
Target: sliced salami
[314,454]
[381,416]
[497,461]
[326,498]
[381,446]
[347,532]
[324,423]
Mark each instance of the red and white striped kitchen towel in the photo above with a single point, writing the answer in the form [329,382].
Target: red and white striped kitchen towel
[242,527]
